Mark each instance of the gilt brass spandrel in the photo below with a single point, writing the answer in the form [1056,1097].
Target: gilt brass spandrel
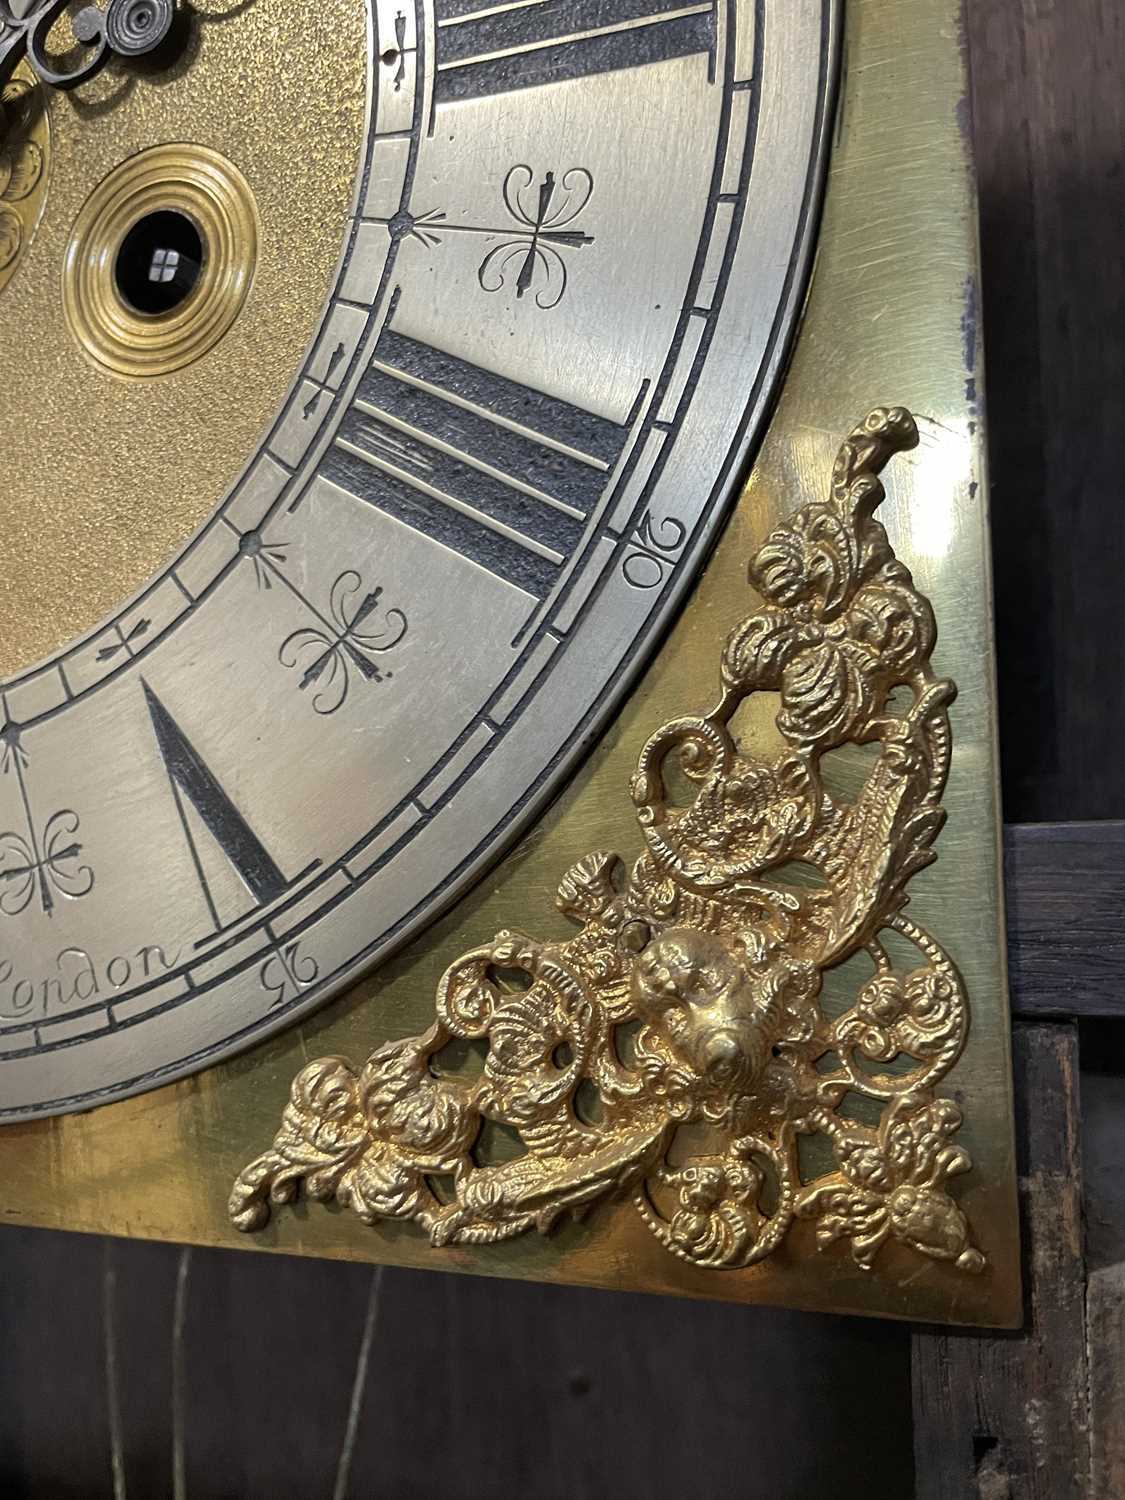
[693,996]
[25,167]
[891,314]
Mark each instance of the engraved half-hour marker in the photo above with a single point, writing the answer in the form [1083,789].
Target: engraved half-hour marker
[361,629]
[47,860]
[501,473]
[354,627]
[46,866]
[485,48]
[531,256]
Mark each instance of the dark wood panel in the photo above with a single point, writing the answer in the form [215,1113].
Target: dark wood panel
[1065,889]
[580,1395]
[138,1327]
[1049,122]
[1008,1415]
[468,1389]
[268,1356]
[54,1414]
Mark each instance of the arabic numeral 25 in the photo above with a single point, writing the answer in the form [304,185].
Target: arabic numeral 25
[653,551]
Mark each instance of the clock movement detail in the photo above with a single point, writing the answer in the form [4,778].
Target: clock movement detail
[693,998]
[126,28]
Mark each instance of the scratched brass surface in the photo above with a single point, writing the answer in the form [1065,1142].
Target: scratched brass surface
[278,89]
[892,316]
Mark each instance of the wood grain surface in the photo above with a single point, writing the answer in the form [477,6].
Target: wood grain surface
[1049,131]
[1008,1415]
[1066,918]
[460,1388]
[1103,1129]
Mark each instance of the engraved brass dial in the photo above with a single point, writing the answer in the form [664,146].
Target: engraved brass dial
[377,379]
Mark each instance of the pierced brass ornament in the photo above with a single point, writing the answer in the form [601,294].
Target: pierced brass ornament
[690,1000]
[25,163]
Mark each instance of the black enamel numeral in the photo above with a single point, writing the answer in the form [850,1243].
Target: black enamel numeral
[489,49]
[502,474]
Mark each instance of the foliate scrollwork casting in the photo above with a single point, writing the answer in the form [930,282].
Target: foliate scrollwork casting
[691,994]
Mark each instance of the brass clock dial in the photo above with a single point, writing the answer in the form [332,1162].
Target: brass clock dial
[376,380]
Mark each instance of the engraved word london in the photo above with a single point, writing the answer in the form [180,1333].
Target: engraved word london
[691,995]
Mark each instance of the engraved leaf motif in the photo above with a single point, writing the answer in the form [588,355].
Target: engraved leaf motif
[586,890]
[758,651]
[826,692]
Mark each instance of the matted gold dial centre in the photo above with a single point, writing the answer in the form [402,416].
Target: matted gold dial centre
[122,432]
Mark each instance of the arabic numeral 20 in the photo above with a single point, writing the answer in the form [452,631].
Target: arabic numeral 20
[653,551]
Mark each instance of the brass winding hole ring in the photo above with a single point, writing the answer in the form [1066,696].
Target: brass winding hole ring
[212,193]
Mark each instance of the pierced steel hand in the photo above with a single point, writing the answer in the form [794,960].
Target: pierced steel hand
[126,28]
